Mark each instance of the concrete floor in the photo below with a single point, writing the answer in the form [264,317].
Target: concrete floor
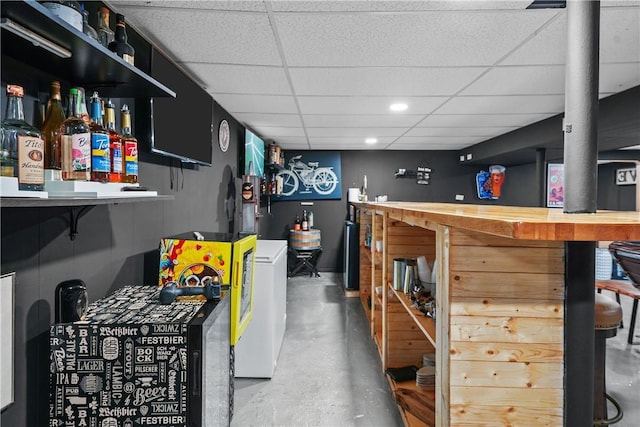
[329,372]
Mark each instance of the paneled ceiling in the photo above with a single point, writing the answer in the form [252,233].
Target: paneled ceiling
[321,75]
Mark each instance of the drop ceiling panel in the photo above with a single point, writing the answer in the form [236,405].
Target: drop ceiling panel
[452,143]
[370,121]
[519,81]
[409,81]
[460,131]
[267,119]
[244,5]
[235,103]
[224,78]
[363,105]
[618,77]
[481,120]
[277,132]
[396,5]
[337,141]
[546,104]
[355,132]
[209,36]
[397,39]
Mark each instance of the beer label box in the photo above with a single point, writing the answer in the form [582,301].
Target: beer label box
[126,365]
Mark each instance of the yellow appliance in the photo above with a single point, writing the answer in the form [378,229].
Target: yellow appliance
[198,258]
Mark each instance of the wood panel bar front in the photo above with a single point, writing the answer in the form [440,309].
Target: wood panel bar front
[500,316]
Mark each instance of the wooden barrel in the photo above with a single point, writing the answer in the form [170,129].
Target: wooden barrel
[304,240]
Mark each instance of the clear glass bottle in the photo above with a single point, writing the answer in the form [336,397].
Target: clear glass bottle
[84,113]
[100,153]
[86,28]
[76,142]
[130,148]
[68,11]
[21,146]
[51,133]
[120,45]
[115,142]
[105,33]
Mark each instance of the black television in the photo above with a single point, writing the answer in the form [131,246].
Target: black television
[180,127]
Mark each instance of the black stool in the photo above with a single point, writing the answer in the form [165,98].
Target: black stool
[608,315]
[304,260]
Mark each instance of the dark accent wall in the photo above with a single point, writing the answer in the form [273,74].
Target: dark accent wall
[116,245]
[448,179]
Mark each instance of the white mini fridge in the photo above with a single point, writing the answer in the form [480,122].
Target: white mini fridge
[256,353]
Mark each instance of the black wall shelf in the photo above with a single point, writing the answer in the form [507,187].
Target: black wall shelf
[91,65]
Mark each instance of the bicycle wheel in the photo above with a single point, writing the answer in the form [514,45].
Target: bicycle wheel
[289,182]
[325,181]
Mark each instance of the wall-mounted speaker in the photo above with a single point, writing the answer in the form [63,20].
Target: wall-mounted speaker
[71,301]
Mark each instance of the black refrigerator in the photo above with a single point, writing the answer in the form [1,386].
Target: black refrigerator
[351,255]
[134,361]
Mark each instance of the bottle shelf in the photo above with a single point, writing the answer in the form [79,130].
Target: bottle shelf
[426,324]
[90,65]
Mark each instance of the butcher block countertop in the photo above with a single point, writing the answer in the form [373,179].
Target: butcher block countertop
[517,222]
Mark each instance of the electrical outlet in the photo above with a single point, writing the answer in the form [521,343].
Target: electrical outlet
[460,197]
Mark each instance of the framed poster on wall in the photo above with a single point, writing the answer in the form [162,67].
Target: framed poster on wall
[555,185]
[311,175]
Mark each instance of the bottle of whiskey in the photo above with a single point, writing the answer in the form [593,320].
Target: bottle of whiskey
[120,45]
[296,225]
[100,153]
[75,142]
[105,33]
[115,142]
[51,133]
[130,148]
[21,146]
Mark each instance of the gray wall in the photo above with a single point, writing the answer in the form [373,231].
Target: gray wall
[116,245]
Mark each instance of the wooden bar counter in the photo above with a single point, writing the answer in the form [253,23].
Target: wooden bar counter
[499,333]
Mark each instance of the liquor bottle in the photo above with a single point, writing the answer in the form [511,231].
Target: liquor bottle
[296,225]
[305,221]
[86,28]
[120,45]
[310,219]
[22,148]
[130,148]
[83,106]
[100,153]
[75,142]
[51,133]
[115,142]
[68,11]
[105,34]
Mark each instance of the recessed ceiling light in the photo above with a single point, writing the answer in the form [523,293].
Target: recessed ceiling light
[398,107]
[370,141]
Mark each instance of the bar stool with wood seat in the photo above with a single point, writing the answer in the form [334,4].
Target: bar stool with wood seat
[608,315]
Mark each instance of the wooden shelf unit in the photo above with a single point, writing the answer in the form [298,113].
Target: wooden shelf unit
[408,418]
[499,334]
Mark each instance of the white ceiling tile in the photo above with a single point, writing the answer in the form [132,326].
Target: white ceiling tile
[396,5]
[400,39]
[521,80]
[224,78]
[227,38]
[364,105]
[481,120]
[277,132]
[619,39]
[370,120]
[376,81]
[336,142]
[244,5]
[426,142]
[618,77]
[292,145]
[256,103]
[460,131]
[355,132]
[268,119]
[545,104]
